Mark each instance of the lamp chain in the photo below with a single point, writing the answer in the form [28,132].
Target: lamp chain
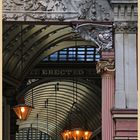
[56,89]
[32,98]
[37,127]
[46,106]
[76,90]
[21,49]
[31,132]
[73,92]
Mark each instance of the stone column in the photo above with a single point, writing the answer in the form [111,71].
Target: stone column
[106,68]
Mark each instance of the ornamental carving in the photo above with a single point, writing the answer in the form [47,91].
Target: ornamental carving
[99,34]
[125,27]
[105,66]
[33,10]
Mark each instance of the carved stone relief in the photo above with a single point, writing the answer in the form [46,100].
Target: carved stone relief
[28,10]
[100,34]
[125,27]
[105,66]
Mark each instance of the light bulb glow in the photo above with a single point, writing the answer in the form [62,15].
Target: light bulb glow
[22,109]
[77,132]
[69,133]
[86,133]
[66,134]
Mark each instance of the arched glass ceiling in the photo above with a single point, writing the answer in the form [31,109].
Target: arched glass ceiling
[75,54]
[88,99]
[38,42]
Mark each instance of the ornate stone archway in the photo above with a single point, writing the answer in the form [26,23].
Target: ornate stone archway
[110,24]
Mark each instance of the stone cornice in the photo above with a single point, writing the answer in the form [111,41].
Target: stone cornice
[56,10]
[105,66]
[125,27]
[125,138]
[125,10]
[123,1]
[124,113]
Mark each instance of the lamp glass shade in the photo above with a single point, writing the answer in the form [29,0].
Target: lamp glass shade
[76,134]
[22,111]
[66,135]
[87,134]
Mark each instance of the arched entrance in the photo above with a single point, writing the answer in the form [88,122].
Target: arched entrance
[59,51]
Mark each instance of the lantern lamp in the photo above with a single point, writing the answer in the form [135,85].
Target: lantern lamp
[76,130]
[76,134]
[22,111]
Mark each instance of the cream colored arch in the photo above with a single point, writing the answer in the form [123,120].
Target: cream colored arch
[88,100]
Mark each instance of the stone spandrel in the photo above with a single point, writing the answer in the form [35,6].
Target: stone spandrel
[58,10]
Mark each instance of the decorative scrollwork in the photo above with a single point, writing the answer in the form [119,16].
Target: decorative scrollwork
[54,9]
[125,27]
[100,34]
[105,66]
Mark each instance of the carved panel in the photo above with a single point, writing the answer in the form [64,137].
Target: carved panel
[105,66]
[37,10]
[125,27]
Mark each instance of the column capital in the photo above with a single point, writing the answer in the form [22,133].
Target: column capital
[105,66]
[125,27]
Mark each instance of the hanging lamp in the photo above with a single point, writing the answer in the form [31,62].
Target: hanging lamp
[22,110]
[72,131]
[76,133]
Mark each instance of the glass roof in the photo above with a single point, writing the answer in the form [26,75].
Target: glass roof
[80,54]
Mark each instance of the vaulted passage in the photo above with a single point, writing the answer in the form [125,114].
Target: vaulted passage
[37,58]
[59,105]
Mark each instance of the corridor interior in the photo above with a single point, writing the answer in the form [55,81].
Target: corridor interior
[54,69]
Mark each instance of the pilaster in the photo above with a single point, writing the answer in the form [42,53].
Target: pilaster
[106,68]
[125,27]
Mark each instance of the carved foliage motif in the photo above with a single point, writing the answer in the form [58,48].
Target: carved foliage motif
[105,66]
[125,27]
[55,10]
[101,35]
[91,9]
